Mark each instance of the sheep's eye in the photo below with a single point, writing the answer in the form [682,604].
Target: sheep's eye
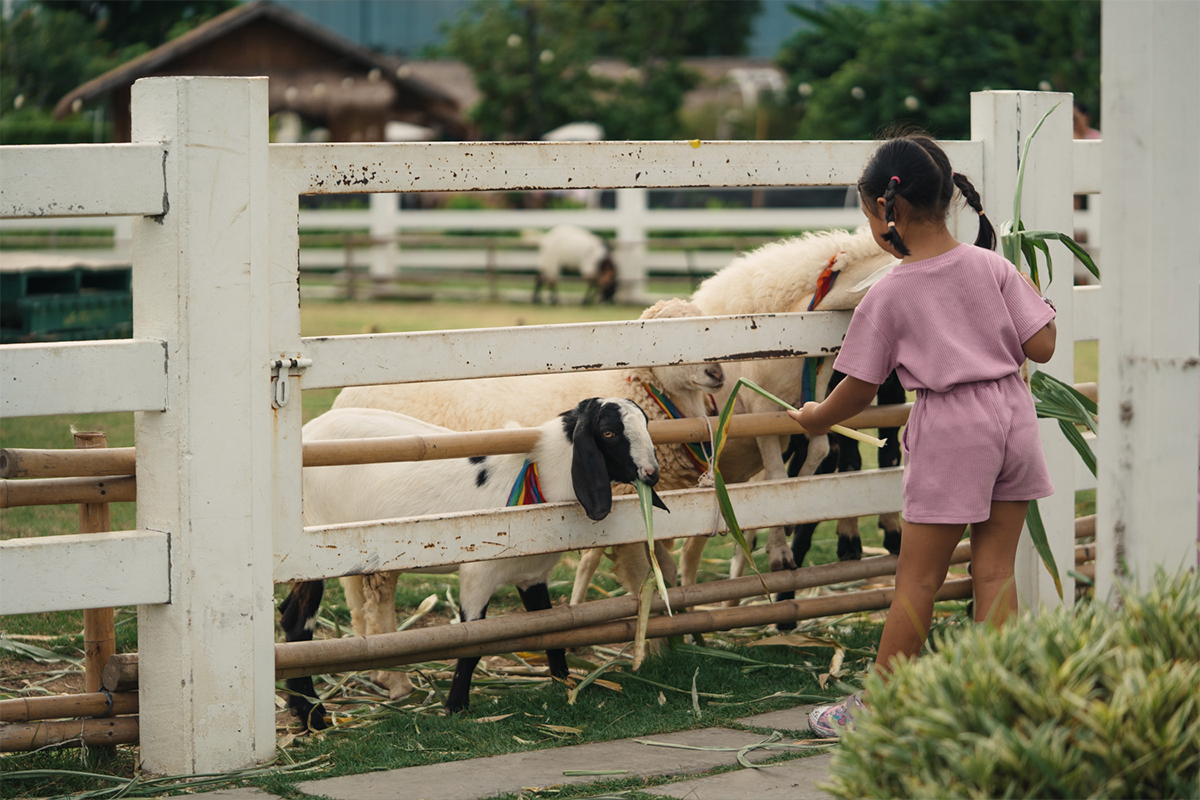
[608,434]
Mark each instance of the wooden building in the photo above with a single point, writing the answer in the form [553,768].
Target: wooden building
[329,81]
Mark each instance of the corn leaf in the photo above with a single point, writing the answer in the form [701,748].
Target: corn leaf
[1025,161]
[1076,249]
[1037,531]
[647,498]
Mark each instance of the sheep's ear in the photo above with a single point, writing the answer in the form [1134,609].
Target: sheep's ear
[589,475]
[657,501]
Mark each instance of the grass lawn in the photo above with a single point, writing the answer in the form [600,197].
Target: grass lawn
[511,711]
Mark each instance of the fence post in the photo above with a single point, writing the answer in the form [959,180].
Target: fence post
[1003,121]
[1149,381]
[630,253]
[204,466]
[384,261]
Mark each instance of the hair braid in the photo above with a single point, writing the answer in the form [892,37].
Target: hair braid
[889,215]
[986,237]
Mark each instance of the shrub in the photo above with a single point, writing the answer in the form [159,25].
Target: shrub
[1094,702]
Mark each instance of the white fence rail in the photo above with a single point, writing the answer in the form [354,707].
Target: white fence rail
[216,302]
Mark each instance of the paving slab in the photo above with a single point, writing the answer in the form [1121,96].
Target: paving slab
[790,780]
[789,719]
[245,793]
[486,777]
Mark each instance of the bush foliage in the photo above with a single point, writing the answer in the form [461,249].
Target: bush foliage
[1094,702]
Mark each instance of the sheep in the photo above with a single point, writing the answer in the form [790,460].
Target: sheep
[577,456]
[578,248]
[780,277]
[488,402]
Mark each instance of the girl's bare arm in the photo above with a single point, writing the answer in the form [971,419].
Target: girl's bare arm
[1040,346]
[848,398]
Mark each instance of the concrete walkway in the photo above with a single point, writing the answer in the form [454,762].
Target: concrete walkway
[649,757]
[514,772]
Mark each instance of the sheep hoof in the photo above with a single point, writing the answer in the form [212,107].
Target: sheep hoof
[397,684]
[891,541]
[782,561]
[849,548]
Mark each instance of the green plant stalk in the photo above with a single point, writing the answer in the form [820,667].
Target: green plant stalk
[1056,399]
[722,435]
[647,499]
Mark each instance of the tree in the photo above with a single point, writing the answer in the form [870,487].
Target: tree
[47,49]
[533,61]
[858,71]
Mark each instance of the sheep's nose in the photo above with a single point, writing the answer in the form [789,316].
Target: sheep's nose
[716,373]
[649,476]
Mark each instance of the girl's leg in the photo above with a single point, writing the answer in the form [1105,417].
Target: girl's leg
[993,555]
[921,571]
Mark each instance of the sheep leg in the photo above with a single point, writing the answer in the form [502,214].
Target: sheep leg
[537,289]
[890,393]
[589,562]
[298,614]
[459,697]
[849,459]
[536,597]
[689,559]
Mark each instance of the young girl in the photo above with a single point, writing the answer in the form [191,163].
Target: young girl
[955,321]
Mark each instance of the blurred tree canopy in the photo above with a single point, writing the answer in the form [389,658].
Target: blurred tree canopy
[47,49]
[532,61]
[858,70]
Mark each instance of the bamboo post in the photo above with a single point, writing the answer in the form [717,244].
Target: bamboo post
[120,673]
[99,631]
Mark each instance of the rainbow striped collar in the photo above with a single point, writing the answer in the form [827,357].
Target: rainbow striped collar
[526,491]
[699,452]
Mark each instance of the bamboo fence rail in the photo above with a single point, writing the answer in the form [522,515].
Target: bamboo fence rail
[35,463]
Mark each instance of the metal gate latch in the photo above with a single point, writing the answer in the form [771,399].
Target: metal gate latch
[293,366]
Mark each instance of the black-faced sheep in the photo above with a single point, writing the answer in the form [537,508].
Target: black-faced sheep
[576,248]
[577,457]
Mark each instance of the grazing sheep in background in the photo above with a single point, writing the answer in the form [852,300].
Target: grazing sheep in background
[577,456]
[576,248]
[781,277]
[484,403]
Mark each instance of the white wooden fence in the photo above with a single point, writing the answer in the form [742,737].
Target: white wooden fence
[216,323]
[371,236]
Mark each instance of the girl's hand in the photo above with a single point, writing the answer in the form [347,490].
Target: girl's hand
[807,417]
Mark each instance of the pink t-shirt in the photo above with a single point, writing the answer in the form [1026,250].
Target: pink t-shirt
[957,318]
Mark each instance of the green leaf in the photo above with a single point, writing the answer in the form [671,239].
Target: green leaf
[1080,444]
[647,497]
[1037,531]
[1025,160]
[1076,249]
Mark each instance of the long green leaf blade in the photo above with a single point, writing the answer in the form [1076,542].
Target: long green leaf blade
[646,496]
[1025,160]
[1037,531]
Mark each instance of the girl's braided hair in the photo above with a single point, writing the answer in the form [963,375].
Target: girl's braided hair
[915,168]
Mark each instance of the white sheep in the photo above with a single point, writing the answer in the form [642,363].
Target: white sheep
[484,403]
[576,248]
[577,457]
[782,277]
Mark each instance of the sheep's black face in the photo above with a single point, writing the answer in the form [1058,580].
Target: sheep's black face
[617,430]
[610,443]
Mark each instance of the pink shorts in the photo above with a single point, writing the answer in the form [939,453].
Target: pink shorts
[967,447]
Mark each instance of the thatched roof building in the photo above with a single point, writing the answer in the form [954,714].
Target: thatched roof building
[328,80]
